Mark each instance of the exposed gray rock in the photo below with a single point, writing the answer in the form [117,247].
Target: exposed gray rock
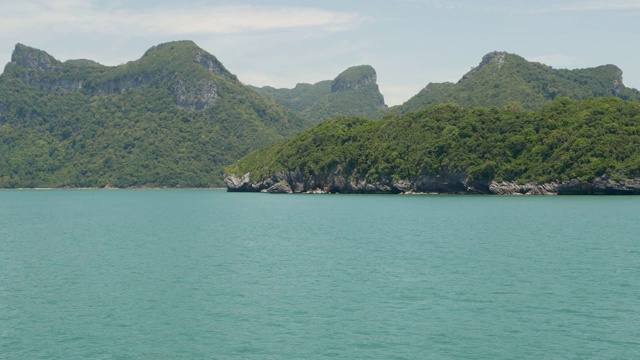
[212,64]
[195,98]
[281,187]
[345,82]
[600,186]
[36,64]
[57,86]
[316,191]
[119,85]
[443,183]
[236,182]
[513,188]
[34,59]
[495,56]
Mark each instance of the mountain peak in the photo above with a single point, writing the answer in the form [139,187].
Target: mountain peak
[187,51]
[353,92]
[33,58]
[502,78]
[354,78]
[499,58]
[181,46]
[495,56]
[191,74]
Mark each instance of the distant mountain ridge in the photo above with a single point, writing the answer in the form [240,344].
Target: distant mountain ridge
[39,69]
[502,78]
[354,92]
[174,117]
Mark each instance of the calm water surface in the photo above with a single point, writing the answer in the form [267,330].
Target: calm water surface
[215,275]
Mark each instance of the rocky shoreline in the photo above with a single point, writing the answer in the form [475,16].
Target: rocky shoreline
[444,183]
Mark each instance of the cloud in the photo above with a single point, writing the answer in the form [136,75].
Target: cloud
[440,4]
[199,18]
[593,5]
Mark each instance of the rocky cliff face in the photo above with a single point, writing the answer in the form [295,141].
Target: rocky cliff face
[30,58]
[38,69]
[119,85]
[497,57]
[354,78]
[444,183]
[32,66]
[212,64]
[354,92]
[336,182]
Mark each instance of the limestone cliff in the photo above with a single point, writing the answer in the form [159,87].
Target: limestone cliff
[354,92]
[444,183]
[191,74]
[354,78]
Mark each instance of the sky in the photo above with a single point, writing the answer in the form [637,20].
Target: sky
[280,43]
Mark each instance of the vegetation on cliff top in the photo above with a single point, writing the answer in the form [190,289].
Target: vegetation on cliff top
[503,78]
[354,92]
[568,139]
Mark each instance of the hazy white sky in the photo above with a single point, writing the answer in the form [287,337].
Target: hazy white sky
[282,42]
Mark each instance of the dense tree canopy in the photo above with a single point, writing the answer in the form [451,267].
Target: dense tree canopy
[568,139]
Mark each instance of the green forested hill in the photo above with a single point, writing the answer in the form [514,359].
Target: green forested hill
[301,97]
[177,116]
[503,78]
[568,139]
[174,117]
[354,92]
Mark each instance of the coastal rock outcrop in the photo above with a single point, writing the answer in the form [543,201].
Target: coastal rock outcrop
[444,183]
[336,182]
[281,187]
[513,188]
[600,186]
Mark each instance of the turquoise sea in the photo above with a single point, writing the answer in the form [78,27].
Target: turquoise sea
[205,274]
